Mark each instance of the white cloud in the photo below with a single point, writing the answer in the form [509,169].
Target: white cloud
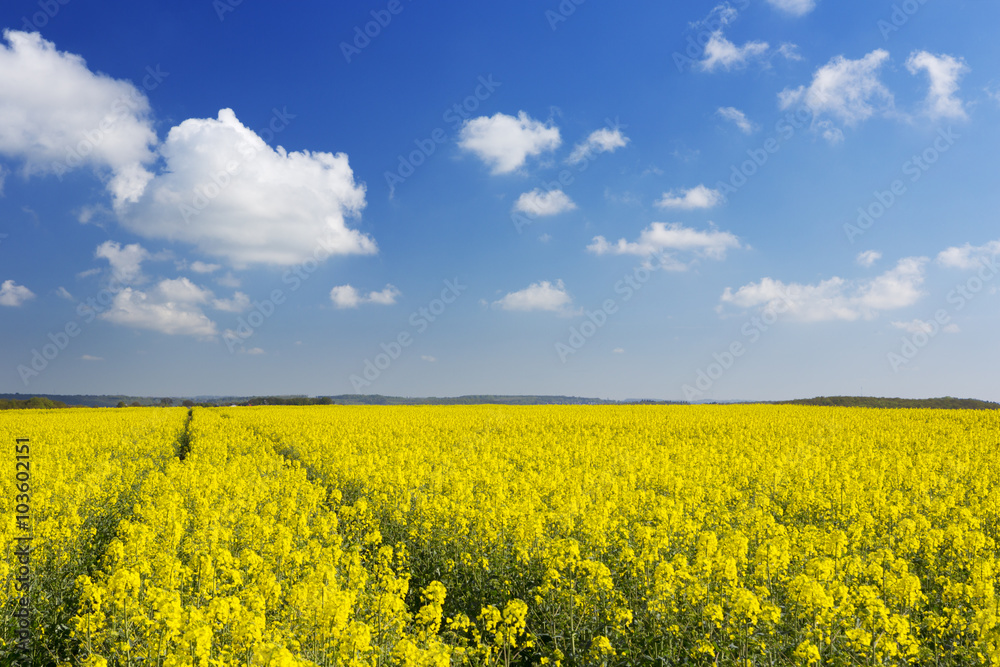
[604,140]
[126,263]
[789,51]
[868,257]
[202,267]
[794,7]
[228,280]
[237,304]
[386,297]
[172,307]
[63,293]
[720,52]
[12,294]
[952,329]
[618,350]
[55,114]
[835,298]
[275,207]
[696,197]
[255,351]
[540,203]
[968,256]
[3,179]
[720,15]
[992,91]
[346,296]
[738,117]
[944,71]
[90,357]
[542,295]
[848,90]
[428,358]
[669,239]
[504,142]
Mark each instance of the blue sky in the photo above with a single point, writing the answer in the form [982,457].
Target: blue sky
[759,199]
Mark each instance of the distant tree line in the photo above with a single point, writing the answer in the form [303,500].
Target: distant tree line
[287,400]
[946,403]
[33,403]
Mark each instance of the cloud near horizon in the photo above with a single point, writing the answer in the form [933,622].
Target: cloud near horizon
[835,298]
[346,296]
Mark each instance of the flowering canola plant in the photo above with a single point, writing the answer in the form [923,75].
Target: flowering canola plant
[558,535]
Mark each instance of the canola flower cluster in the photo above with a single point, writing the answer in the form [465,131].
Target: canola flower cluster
[85,469]
[558,535]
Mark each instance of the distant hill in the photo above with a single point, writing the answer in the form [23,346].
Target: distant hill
[110,401]
[8,401]
[946,403]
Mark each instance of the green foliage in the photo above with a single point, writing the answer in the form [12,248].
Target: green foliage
[946,403]
[33,403]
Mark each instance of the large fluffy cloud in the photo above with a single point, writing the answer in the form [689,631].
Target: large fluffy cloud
[847,90]
[835,298]
[227,192]
[505,142]
[222,189]
[56,115]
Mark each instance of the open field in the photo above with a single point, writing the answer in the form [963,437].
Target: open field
[486,535]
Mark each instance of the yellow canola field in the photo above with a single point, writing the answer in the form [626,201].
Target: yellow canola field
[574,535]
[83,469]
